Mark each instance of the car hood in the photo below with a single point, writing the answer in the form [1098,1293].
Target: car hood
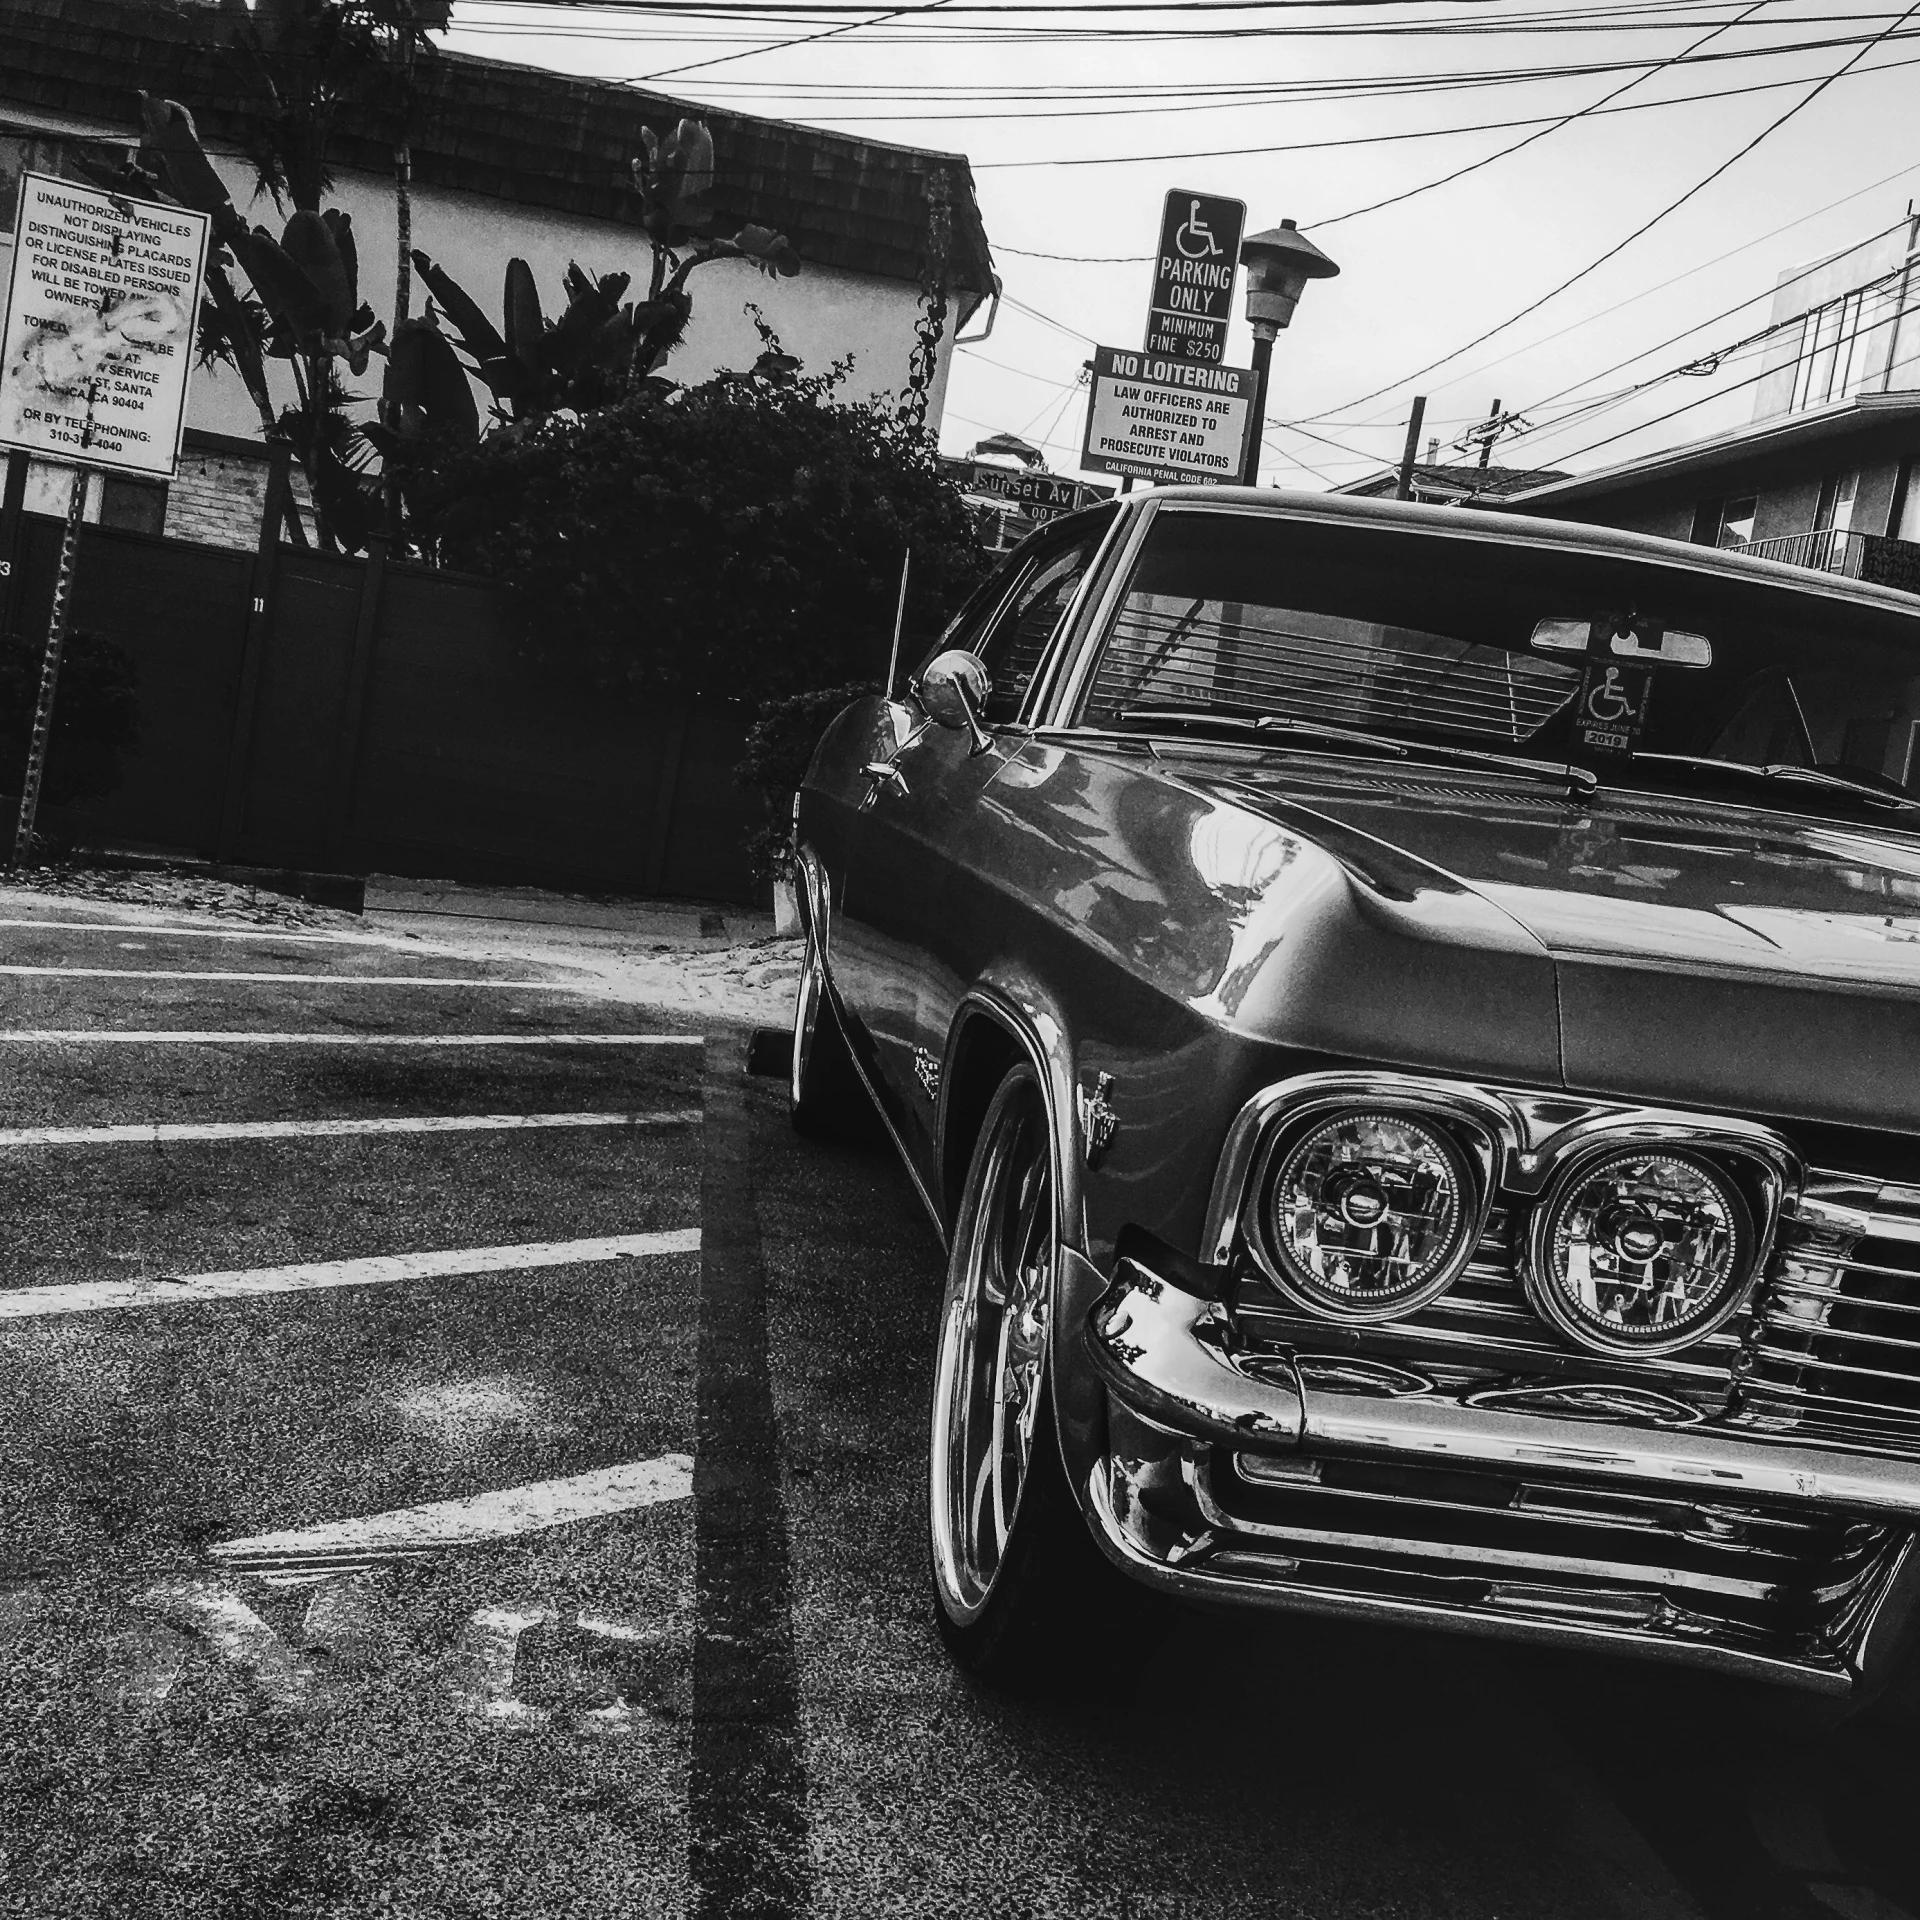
[1703,954]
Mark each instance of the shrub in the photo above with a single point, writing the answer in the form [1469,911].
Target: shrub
[741,537]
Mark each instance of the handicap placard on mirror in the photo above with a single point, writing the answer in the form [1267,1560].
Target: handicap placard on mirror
[1613,706]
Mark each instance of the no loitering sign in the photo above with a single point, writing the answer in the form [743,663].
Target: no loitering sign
[1164,419]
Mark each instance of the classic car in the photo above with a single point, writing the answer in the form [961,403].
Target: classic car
[1407,1023]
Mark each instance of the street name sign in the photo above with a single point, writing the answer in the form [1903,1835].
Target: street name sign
[1193,272]
[1039,496]
[1167,419]
[99,326]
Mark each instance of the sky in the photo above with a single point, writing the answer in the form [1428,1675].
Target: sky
[1313,113]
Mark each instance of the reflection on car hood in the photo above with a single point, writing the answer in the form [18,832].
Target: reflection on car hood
[1706,953]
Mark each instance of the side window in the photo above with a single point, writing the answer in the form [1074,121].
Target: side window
[1026,624]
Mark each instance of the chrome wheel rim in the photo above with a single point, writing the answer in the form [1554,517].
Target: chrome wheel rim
[806,1019]
[992,1358]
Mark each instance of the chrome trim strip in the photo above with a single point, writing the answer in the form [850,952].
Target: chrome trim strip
[1478,1558]
[1710,1462]
[1508,1621]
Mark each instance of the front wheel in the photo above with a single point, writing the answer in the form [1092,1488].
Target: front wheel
[1022,1596]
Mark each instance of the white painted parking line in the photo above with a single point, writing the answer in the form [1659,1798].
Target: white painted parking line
[194,933]
[306,979]
[213,1036]
[149,1134]
[102,1296]
[440,1524]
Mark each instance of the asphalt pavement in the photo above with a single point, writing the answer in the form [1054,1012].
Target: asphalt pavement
[464,1457]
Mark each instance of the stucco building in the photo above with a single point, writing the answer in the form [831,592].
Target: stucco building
[507,161]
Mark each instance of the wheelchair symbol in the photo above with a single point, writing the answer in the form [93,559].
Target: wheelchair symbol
[1608,702]
[1194,237]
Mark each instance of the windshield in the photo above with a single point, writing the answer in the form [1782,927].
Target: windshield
[1419,637]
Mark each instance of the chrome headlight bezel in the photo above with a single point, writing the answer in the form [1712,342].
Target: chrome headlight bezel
[1749,1182]
[1520,1144]
[1469,1149]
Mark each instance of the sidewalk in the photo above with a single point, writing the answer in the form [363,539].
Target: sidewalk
[687,925]
[723,964]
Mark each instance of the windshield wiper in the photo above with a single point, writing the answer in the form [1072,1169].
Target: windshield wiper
[1788,774]
[1578,779]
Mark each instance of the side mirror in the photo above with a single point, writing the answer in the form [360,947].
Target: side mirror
[952,689]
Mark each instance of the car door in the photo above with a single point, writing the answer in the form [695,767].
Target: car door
[896,876]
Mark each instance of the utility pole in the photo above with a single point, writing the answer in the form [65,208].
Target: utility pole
[1492,433]
[1404,491]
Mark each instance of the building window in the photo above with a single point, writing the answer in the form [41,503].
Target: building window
[1736,518]
[140,506]
[1906,520]
[1838,492]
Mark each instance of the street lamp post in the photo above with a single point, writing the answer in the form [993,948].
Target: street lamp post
[1279,264]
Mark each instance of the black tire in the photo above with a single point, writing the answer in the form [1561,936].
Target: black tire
[825,1097]
[1043,1616]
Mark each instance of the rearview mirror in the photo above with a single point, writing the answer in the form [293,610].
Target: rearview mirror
[1625,638]
[953,687]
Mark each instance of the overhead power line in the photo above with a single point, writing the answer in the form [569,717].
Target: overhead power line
[1332,417]
[1646,226]
[777,46]
[1483,126]
[1531,139]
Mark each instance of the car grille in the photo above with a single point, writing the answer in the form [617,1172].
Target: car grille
[1483,1326]
[1834,1349]
[1828,1350]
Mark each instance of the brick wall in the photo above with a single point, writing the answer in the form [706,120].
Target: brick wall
[216,498]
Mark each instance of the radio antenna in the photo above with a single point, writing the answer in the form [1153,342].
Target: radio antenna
[899,621]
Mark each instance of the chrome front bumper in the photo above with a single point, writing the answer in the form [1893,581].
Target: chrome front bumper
[1241,1472]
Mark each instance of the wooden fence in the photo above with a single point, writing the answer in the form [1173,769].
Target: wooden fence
[300,709]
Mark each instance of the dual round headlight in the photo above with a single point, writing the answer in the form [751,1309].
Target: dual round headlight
[1635,1249]
[1371,1214]
[1640,1250]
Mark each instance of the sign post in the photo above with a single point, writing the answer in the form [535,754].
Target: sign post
[95,353]
[1163,419]
[1193,273]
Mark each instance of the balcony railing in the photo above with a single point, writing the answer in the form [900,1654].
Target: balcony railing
[1877,557]
[1825,549]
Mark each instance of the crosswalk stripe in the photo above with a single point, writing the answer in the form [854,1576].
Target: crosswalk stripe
[151,1134]
[336,1545]
[102,1296]
[214,1036]
[304,979]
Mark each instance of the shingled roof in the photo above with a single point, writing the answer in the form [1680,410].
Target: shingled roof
[513,133]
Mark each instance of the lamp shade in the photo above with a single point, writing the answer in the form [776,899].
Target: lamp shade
[1279,264]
